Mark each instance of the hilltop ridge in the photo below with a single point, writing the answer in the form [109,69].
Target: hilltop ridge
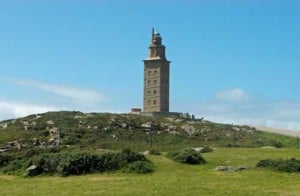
[117,131]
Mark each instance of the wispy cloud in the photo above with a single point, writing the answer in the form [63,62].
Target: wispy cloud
[14,110]
[79,95]
[234,94]
[54,98]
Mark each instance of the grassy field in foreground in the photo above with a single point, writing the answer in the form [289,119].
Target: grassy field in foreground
[172,178]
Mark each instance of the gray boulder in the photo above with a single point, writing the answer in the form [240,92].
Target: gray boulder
[230,168]
[33,170]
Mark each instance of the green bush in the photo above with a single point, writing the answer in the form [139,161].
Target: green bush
[154,152]
[5,159]
[276,144]
[127,156]
[140,167]
[206,149]
[47,162]
[290,165]
[76,163]
[16,166]
[189,156]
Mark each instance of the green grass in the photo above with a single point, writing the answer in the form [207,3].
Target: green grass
[172,178]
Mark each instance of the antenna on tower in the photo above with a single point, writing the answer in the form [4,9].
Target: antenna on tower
[152,34]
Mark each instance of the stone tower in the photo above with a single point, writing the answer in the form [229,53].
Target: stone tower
[156,77]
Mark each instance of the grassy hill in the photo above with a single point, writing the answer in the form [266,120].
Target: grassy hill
[64,133]
[118,131]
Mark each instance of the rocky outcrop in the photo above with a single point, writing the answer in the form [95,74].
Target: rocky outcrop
[13,145]
[230,168]
[33,170]
[147,125]
[50,122]
[189,129]
[3,125]
[35,142]
[54,137]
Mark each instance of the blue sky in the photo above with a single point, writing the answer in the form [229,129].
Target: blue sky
[233,61]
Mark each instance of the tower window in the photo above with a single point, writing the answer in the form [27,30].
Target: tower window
[149,82]
[154,102]
[149,92]
[154,92]
[155,82]
[149,102]
[155,71]
[149,73]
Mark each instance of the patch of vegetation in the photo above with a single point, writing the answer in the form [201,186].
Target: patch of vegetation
[65,163]
[5,159]
[289,165]
[188,155]
[171,178]
[276,144]
[117,131]
[154,152]
[206,149]
[140,167]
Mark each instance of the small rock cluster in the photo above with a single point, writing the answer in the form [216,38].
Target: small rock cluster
[13,145]
[230,168]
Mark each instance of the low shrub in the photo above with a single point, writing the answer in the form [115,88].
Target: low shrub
[276,144]
[16,166]
[76,163]
[206,149]
[154,152]
[127,156]
[290,165]
[189,156]
[5,159]
[140,167]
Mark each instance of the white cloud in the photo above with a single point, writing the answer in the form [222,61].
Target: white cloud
[15,110]
[242,110]
[78,95]
[234,94]
[54,98]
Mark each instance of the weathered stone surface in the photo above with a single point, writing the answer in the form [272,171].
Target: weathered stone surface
[54,141]
[114,136]
[268,147]
[53,131]
[54,136]
[230,168]
[26,123]
[198,149]
[178,120]
[146,125]
[156,77]
[35,142]
[3,125]
[33,170]
[13,145]
[50,122]
[124,125]
[190,129]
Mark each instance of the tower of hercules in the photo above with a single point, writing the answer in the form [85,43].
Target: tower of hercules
[156,77]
